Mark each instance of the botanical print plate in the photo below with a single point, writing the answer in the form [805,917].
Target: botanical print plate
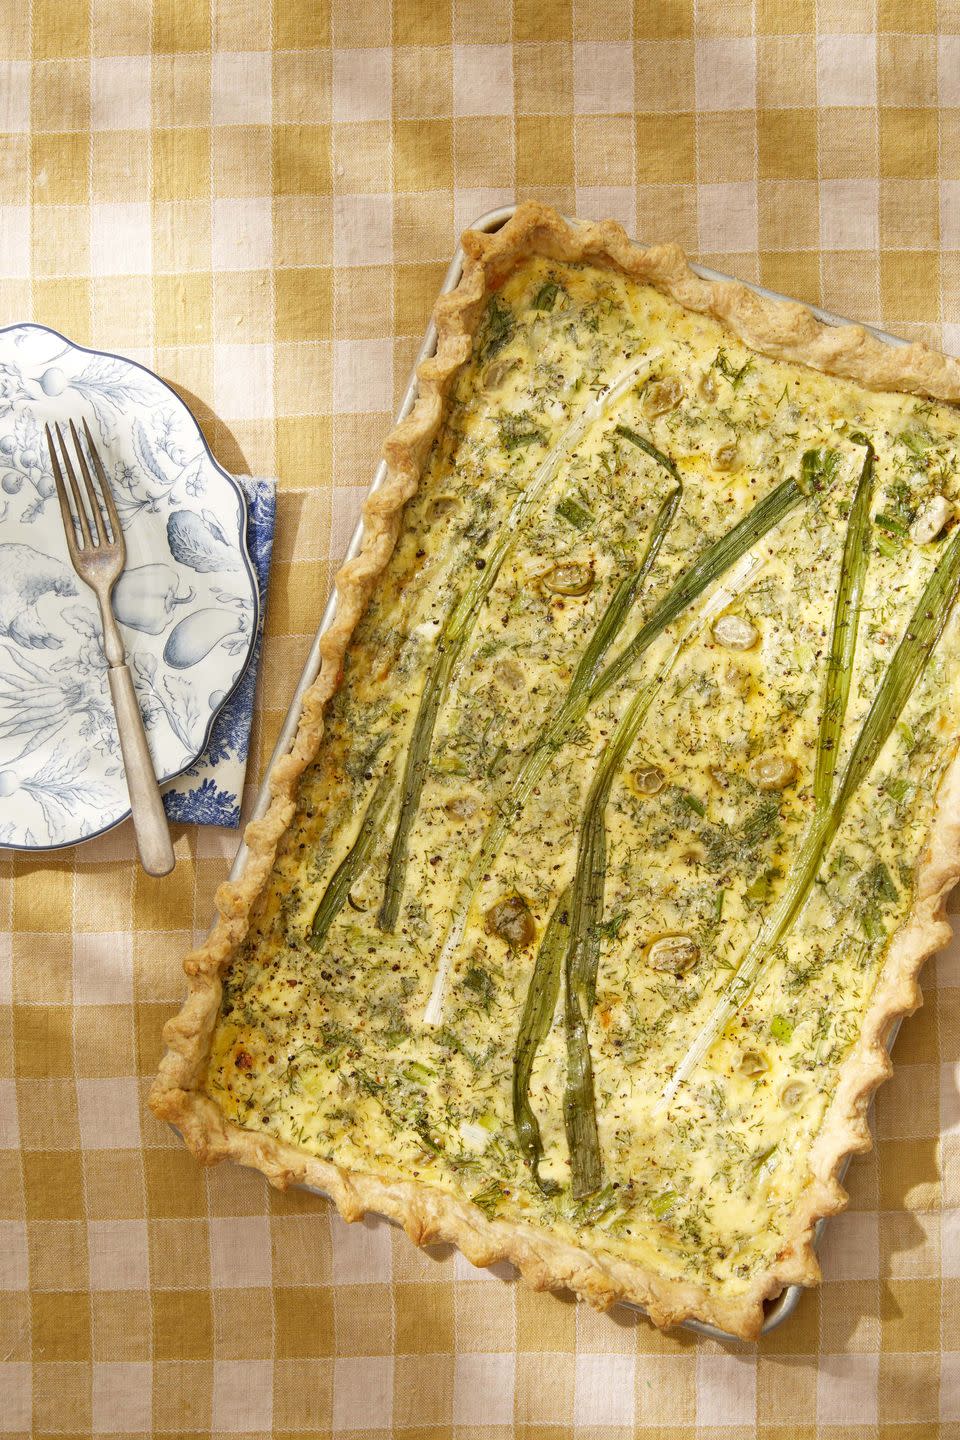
[187,602]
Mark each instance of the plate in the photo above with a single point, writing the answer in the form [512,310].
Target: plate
[187,602]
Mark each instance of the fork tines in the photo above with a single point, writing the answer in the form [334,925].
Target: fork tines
[99,508]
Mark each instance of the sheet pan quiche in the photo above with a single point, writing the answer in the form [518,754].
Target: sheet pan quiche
[621,816]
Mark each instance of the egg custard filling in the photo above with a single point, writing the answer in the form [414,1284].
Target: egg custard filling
[620,802]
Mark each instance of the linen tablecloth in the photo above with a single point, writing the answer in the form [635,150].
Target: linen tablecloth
[260,203]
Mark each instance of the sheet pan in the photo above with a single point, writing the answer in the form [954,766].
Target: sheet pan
[779,1309]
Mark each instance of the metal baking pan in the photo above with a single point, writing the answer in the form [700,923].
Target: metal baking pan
[784,1305]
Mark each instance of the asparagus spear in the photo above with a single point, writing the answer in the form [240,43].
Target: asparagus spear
[923,630]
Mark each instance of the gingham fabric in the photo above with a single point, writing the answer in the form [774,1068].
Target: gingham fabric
[261,204]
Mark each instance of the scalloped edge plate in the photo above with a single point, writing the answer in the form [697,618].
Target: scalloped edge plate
[184,558]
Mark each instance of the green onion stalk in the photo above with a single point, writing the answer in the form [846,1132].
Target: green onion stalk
[454,635]
[923,630]
[456,632]
[589,682]
[347,872]
[587,895]
[846,624]
[538,757]
[535,1023]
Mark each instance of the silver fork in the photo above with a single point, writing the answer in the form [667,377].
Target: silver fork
[99,555]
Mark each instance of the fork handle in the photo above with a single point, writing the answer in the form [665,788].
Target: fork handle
[149,818]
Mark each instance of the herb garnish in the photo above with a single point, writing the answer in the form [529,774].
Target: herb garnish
[545,297]
[818,469]
[489,1198]
[726,367]
[877,890]
[498,328]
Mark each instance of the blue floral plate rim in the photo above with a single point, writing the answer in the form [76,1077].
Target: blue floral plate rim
[244,555]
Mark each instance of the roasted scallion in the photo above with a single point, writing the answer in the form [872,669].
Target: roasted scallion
[335,896]
[574,707]
[456,631]
[843,642]
[589,682]
[583,947]
[450,644]
[923,630]
[587,898]
[648,448]
[538,1009]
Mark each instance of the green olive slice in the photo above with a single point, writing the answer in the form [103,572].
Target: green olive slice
[673,953]
[570,577]
[463,806]
[662,396]
[497,371]
[510,672]
[512,921]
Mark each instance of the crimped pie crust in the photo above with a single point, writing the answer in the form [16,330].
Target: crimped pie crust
[779,329]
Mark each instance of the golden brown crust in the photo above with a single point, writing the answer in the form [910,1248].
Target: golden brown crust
[783,330]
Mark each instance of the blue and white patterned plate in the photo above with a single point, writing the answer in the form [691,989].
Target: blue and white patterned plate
[187,602]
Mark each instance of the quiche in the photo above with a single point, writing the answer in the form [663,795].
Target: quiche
[622,813]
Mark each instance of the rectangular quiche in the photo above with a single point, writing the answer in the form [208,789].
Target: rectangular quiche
[621,816]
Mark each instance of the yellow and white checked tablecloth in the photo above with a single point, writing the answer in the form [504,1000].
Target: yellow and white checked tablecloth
[260,203]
